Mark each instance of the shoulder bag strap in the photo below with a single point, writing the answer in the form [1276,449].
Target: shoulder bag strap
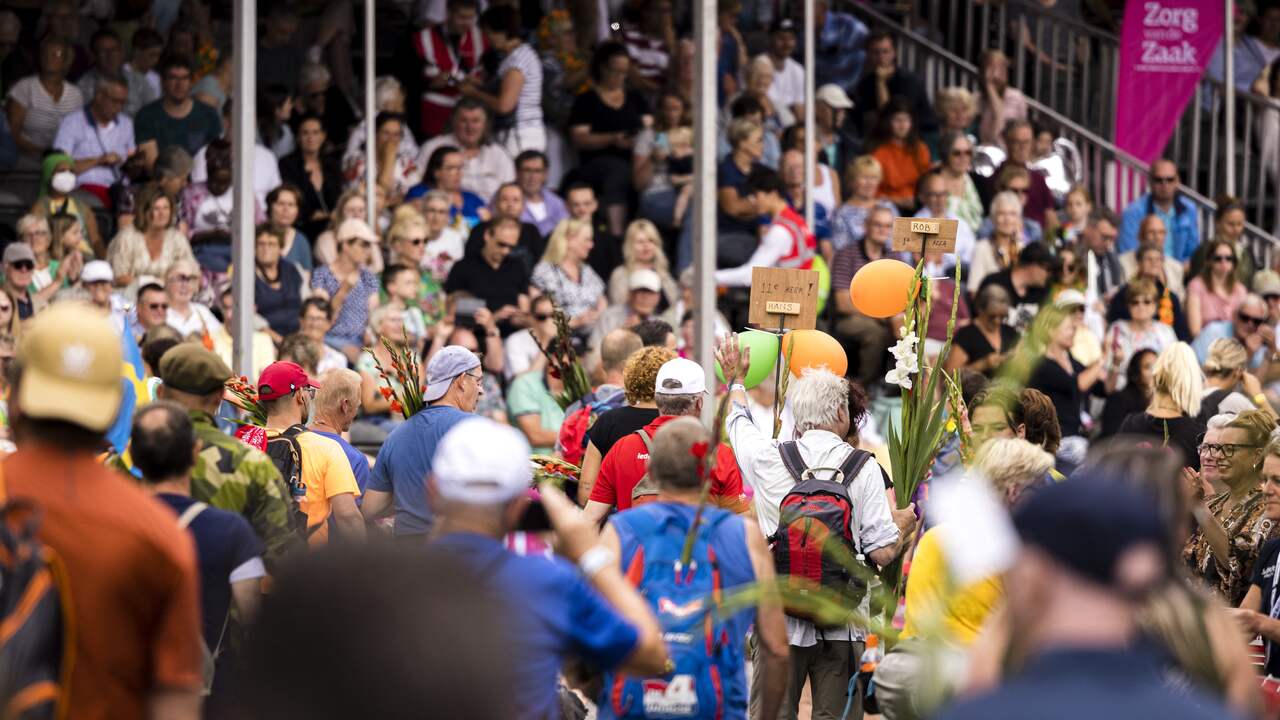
[190,514]
[791,459]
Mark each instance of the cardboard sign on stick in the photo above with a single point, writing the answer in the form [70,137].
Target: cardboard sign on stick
[924,234]
[780,295]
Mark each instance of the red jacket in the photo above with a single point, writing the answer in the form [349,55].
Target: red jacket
[628,460]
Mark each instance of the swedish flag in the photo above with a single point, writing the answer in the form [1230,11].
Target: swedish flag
[136,394]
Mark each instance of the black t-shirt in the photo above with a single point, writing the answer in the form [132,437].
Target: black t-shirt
[606,251]
[617,424]
[497,288]
[1119,406]
[1264,569]
[1063,389]
[529,246]
[588,109]
[904,84]
[1183,433]
[1022,306]
[970,339]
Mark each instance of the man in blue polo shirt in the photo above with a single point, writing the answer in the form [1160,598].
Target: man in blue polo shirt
[480,488]
[1092,548]
[404,462]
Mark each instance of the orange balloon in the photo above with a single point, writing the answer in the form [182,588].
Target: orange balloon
[814,348]
[880,288]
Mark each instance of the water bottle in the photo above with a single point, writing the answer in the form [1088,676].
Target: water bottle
[871,658]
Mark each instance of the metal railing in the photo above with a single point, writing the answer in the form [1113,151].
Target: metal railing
[1113,177]
[1084,91]
[1060,61]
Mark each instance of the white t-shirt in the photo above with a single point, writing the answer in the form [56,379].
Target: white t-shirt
[773,247]
[787,89]
[521,351]
[44,114]
[196,323]
[442,252]
[266,171]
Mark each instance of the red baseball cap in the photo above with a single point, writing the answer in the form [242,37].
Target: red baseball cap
[282,378]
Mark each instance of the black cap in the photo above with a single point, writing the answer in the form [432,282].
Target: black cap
[1088,522]
[1036,254]
[783,25]
[190,368]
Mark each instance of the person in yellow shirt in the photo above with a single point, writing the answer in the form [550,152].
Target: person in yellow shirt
[315,469]
[943,619]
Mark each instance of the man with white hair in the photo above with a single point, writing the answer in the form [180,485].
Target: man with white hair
[819,403]
[479,486]
[336,406]
[1249,326]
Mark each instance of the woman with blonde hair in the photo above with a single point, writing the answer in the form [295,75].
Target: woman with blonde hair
[1140,331]
[957,108]
[1226,374]
[1231,526]
[998,250]
[151,244]
[641,250]
[1170,419]
[862,177]
[563,273]
[350,206]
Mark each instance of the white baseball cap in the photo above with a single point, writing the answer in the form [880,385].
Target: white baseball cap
[835,96]
[97,271]
[1070,298]
[680,376]
[481,462]
[645,279]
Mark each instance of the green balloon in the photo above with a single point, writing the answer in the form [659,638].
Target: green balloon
[764,355]
[824,281]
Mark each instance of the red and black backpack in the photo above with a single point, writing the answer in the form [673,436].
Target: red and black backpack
[813,543]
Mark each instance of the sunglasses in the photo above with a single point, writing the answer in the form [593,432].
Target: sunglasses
[23,265]
[965,153]
[1020,190]
[153,306]
[1271,297]
[359,241]
[1164,180]
[1250,319]
[1224,258]
[416,241]
[542,317]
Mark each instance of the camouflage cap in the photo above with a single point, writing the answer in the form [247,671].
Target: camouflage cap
[188,367]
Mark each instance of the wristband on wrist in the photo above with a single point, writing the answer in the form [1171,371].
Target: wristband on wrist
[737,386]
[595,560]
[1260,399]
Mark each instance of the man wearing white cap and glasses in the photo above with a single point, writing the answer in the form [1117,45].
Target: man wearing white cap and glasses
[480,486]
[644,292]
[454,380]
[679,391]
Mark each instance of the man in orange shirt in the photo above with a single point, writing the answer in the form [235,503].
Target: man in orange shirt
[131,571]
[679,392]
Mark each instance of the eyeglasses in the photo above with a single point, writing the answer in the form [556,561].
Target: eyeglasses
[151,306]
[1224,258]
[478,377]
[1164,180]
[1250,319]
[965,153]
[1142,301]
[359,241]
[1222,450]
[23,265]
[186,278]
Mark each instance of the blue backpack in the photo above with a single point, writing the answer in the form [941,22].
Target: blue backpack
[699,641]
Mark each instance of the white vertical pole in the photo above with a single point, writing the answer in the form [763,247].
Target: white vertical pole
[810,141]
[704,207]
[1229,83]
[370,116]
[243,140]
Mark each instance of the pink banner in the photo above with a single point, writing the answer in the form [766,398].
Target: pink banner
[1164,48]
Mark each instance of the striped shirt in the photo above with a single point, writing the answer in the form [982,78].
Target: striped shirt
[529,105]
[43,112]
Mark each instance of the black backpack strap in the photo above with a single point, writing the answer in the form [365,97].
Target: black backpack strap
[791,459]
[852,465]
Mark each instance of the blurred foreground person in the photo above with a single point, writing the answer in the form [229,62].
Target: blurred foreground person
[130,569]
[418,634]
[1092,550]
[479,487]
